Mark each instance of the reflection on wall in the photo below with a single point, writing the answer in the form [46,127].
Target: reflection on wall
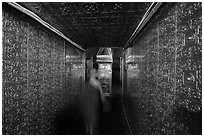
[133,64]
[166,98]
[75,71]
[34,76]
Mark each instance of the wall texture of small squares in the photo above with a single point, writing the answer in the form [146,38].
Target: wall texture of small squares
[165,96]
[38,75]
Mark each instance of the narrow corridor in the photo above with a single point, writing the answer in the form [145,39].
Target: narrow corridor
[144,57]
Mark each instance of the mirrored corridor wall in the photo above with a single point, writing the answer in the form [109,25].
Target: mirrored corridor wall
[42,74]
[162,73]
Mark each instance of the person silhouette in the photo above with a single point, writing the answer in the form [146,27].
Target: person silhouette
[92,99]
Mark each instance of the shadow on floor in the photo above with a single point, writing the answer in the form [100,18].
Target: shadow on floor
[113,122]
[70,120]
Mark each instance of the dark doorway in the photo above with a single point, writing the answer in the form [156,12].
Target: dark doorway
[116,74]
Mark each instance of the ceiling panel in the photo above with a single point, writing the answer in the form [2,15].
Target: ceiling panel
[92,24]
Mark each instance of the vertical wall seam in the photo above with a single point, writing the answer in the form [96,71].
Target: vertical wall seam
[126,118]
[27,25]
[157,56]
[176,42]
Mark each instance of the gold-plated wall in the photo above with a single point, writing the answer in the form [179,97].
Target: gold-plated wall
[165,97]
[37,80]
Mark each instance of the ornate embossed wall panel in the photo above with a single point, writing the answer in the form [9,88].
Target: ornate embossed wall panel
[169,96]
[34,77]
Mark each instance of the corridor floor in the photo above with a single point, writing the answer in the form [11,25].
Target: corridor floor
[113,122]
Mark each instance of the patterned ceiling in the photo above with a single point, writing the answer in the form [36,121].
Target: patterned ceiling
[92,25]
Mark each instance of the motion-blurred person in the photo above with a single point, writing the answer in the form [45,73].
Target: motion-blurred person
[91,100]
